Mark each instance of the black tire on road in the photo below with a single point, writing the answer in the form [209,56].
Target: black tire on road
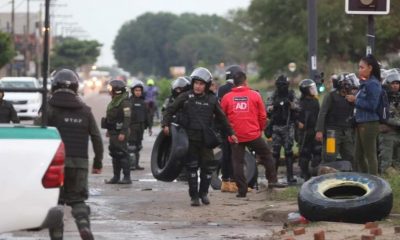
[250,170]
[168,154]
[345,197]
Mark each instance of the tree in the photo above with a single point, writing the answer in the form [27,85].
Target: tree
[281,27]
[6,49]
[154,42]
[73,53]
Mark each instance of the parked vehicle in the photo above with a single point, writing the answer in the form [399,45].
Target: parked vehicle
[31,174]
[27,104]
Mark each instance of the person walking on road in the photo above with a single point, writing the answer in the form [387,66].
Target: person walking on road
[117,122]
[75,122]
[246,113]
[139,122]
[7,111]
[366,116]
[150,98]
[200,108]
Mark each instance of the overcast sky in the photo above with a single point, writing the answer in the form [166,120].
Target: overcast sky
[103,18]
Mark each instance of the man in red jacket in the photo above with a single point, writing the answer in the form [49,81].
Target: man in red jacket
[246,113]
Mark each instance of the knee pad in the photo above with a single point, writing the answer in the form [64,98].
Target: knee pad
[80,210]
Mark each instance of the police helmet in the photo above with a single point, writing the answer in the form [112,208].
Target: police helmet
[65,78]
[180,82]
[150,82]
[232,71]
[308,87]
[136,83]
[282,81]
[117,87]
[353,79]
[392,75]
[201,74]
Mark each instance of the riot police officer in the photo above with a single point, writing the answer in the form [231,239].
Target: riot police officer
[117,122]
[7,111]
[389,136]
[75,122]
[310,149]
[336,114]
[282,118]
[199,108]
[139,122]
[178,86]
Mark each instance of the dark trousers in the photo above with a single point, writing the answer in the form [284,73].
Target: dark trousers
[74,193]
[226,163]
[263,151]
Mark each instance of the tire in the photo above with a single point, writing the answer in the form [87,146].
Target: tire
[345,197]
[168,154]
[250,170]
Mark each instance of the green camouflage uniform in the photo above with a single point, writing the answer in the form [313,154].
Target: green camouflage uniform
[389,139]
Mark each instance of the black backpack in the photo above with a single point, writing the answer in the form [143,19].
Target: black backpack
[383,107]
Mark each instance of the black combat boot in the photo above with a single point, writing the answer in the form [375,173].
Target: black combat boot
[126,170]
[193,188]
[117,172]
[205,181]
[81,212]
[57,233]
[289,170]
[137,166]
[305,171]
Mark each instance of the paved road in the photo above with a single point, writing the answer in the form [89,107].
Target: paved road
[149,209]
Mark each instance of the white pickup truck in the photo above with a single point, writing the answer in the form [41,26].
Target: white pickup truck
[31,165]
[31,173]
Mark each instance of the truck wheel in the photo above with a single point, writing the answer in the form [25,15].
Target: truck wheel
[168,154]
[345,197]
[250,170]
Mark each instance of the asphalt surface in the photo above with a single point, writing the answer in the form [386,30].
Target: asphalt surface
[149,209]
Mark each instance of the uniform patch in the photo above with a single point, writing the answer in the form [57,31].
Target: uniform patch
[240,104]
[127,112]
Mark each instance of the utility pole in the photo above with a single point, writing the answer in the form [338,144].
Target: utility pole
[45,66]
[370,35]
[26,57]
[312,38]
[12,33]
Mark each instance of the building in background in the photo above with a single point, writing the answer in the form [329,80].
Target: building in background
[28,43]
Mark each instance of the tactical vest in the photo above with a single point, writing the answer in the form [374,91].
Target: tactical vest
[138,110]
[73,125]
[115,117]
[341,112]
[199,108]
[281,112]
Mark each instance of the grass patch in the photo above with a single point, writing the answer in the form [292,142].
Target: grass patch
[286,194]
[394,182]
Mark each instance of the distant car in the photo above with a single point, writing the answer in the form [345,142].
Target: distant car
[26,104]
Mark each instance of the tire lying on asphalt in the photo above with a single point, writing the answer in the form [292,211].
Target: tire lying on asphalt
[250,170]
[168,154]
[345,197]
